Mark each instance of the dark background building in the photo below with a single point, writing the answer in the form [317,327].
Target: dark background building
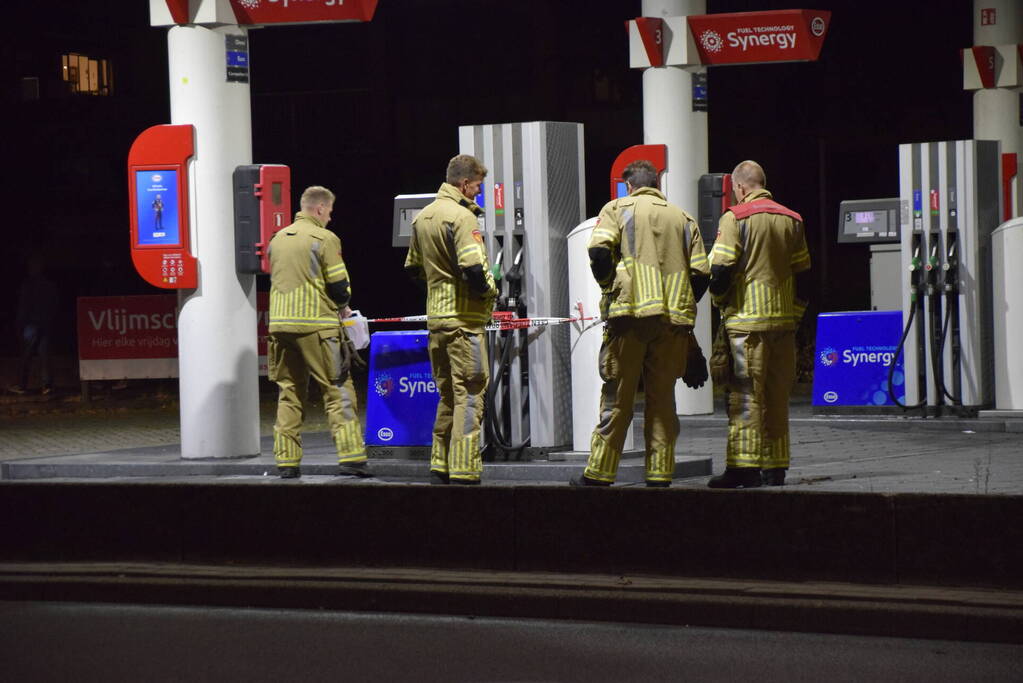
[372,110]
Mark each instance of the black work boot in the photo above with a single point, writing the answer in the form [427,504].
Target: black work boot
[463,482]
[292,472]
[737,478]
[773,476]
[439,478]
[583,480]
[354,469]
[657,484]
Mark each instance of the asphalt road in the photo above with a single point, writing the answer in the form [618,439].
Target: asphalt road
[43,642]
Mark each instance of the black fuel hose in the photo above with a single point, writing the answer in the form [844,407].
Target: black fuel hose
[957,401]
[898,352]
[495,430]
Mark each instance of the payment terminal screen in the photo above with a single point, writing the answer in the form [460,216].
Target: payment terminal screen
[156,197]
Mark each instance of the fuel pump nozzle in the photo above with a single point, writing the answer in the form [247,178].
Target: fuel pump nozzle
[495,269]
[950,268]
[915,275]
[931,269]
[513,302]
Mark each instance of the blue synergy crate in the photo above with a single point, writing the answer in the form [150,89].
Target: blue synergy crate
[851,359]
[401,401]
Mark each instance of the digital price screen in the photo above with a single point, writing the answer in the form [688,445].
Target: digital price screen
[156,202]
[869,221]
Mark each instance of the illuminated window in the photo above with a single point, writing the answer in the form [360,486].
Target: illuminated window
[87,76]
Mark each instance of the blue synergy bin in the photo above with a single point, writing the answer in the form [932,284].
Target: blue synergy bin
[401,400]
[851,359]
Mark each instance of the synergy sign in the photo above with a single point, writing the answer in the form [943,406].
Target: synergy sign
[260,12]
[853,354]
[754,37]
[402,400]
[302,11]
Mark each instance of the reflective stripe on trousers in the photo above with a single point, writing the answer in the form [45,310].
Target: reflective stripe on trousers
[758,404]
[460,369]
[292,360]
[635,347]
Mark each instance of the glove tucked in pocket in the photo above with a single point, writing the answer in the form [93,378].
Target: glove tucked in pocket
[721,365]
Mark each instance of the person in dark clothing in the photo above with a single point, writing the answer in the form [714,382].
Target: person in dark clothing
[37,311]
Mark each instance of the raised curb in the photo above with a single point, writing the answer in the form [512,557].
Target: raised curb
[166,462]
[951,540]
[894,611]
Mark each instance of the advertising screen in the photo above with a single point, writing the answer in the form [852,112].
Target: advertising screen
[156,198]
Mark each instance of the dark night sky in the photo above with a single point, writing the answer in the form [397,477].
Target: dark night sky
[372,110]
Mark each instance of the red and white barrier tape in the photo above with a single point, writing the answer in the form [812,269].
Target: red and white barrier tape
[498,325]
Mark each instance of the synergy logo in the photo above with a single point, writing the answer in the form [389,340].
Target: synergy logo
[711,41]
[751,37]
[857,356]
[871,356]
[417,383]
[249,4]
[411,385]
[384,385]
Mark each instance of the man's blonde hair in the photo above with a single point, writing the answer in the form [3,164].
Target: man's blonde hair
[750,174]
[465,167]
[317,194]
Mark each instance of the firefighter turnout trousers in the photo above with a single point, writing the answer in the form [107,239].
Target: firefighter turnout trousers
[758,403]
[635,347]
[294,358]
[460,367]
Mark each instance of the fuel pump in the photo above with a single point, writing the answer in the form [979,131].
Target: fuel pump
[952,331]
[533,197]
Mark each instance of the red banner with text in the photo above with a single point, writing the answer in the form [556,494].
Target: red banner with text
[125,337]
[302,11]
[755,37]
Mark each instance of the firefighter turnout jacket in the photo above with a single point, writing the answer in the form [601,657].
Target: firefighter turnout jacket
[304,258]
[446,242]
[655,247]
[764,245]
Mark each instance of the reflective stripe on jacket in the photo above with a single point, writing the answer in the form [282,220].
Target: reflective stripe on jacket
[304,257]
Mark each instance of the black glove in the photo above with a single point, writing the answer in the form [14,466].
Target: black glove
[696,365]
[349,356]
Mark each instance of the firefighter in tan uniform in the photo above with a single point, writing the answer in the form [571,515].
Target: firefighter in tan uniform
[309,290]
[649,259]
[759,267]
[446,250]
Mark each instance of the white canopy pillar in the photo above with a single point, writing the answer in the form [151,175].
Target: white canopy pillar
[217,353]
[669,119]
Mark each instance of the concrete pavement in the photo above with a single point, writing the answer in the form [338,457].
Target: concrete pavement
[110,437]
